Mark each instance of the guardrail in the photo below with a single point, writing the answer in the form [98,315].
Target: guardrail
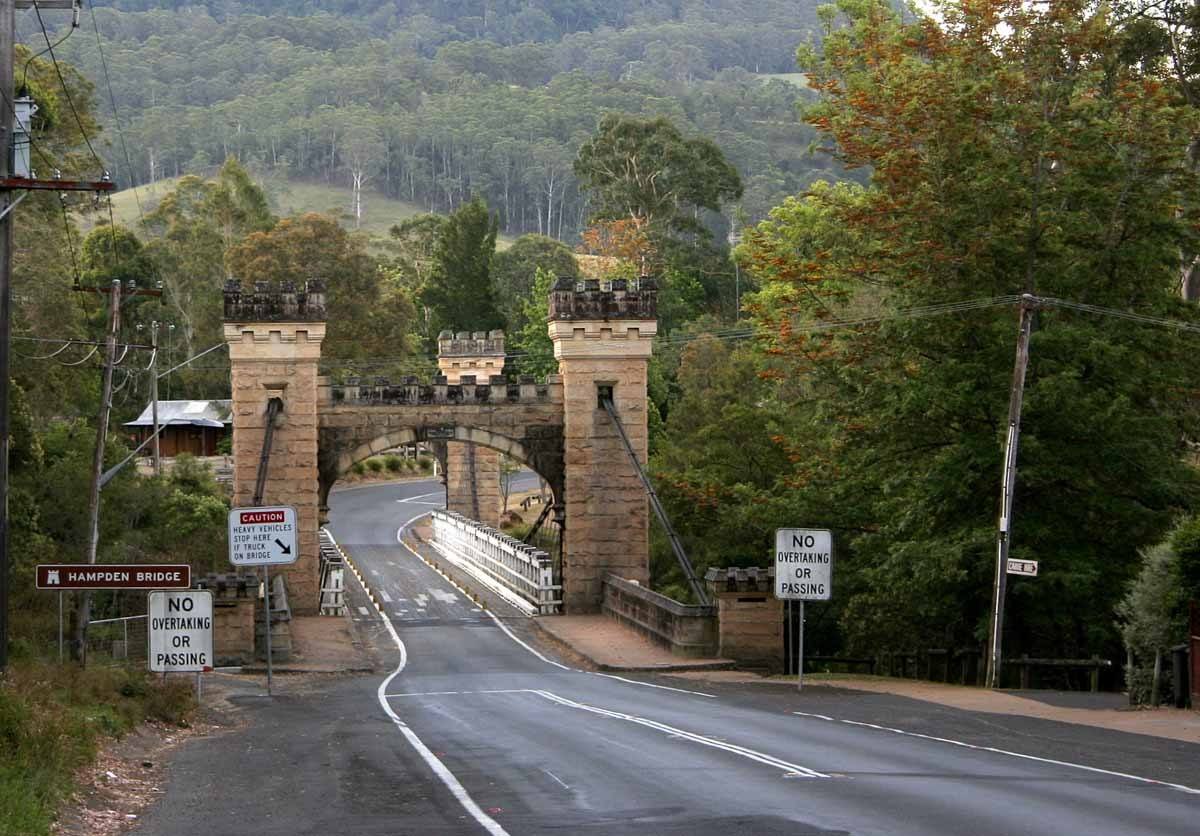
[504,564]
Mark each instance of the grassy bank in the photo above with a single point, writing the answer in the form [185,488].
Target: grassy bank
[52,721]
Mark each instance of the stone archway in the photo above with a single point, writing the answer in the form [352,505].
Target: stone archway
[602,341]
[336,456]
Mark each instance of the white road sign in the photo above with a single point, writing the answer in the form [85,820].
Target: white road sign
[803,564]
[181,631]
[1023,567]
[262,536]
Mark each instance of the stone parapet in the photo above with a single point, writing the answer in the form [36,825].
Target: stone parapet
[471,344]
[234,600]
[469,389]
[591,299]
[271,302]
[685,629]
[749,615]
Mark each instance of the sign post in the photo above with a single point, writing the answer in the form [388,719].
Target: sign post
[263,537]
[803,572]
[180,631]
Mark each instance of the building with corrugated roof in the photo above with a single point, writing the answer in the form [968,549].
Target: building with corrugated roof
[195,427]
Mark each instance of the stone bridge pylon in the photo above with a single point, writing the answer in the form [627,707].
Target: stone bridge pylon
[602,339]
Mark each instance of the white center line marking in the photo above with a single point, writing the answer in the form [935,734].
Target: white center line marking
[556,778]
[362,610]
[452,783]
[413,499]
[994,750]
[387,599]
[741,751]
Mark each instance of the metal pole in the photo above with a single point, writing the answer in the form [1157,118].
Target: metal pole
[1007,487]
[110,348]
[7,27]
[800,652]
[154,395]
[267,607]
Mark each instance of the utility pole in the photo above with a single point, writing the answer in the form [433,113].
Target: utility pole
[1008,483]
[12,181]
[8,25]
[83,616]
[154,394]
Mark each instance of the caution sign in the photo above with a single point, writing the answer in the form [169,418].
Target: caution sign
[181,631]
[803,564]
[262,536]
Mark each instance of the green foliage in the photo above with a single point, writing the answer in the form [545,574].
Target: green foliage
[531,339]
[366,316]
[393,463]
[514,270]
[1185,543]
[461,100]
[647,171]
[1153,615]
[375,464]
[51,721]
[358,468]
[460,294]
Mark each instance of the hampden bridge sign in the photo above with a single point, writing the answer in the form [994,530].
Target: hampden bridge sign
[602,341]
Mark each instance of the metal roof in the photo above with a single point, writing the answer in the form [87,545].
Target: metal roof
[215,414]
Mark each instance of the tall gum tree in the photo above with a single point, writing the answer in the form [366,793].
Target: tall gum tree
[1010,149]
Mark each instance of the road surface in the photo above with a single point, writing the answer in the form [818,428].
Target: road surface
[476,729]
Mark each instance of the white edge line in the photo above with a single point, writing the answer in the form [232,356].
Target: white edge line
[485,821]
[652,685]
[513,636]
[994,750]
[499,623]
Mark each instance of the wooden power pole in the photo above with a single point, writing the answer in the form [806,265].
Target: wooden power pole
[11,182]
[1008,484]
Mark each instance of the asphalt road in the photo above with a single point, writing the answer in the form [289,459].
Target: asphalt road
[479,730]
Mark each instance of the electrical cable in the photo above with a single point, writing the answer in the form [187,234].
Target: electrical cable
[66,91]
[89,356]
[32,58]
[112,99]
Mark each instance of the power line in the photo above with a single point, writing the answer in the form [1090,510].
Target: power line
[66,91]
[112,99]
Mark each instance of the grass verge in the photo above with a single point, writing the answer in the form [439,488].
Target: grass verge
[52,721]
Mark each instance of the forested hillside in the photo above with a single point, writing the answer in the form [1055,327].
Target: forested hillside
[433,102]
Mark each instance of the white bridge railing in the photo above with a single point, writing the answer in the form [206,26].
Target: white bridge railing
[520,573]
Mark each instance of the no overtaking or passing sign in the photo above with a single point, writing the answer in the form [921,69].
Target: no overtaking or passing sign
[262,536]
[181,631]
[803,564]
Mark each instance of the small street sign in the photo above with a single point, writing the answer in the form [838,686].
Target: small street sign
[181,631]
[1023,567]
[67,576]
[803,564]
[262,536]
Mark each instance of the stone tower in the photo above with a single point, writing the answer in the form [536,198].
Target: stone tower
[602,340]
[274,335]
[472,471]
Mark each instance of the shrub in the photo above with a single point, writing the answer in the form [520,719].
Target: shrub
[375,465]
[425,463]
[52,720]
[358,468]
[393,463]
